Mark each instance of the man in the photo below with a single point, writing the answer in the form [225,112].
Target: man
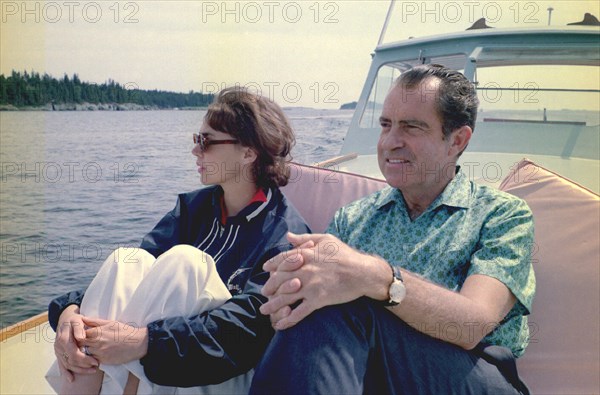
[422,287]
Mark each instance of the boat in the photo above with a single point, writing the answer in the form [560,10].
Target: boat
[542,144]
[515,118]
[535,148]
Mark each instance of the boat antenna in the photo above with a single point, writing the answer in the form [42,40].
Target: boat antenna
[387,21]
[550,9]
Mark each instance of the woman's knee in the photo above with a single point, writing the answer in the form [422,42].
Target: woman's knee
[130,256]
[185,258]
[126,262]
[185,253]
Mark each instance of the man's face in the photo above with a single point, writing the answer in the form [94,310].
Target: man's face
[412,152]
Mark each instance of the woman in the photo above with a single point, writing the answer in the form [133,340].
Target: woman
[183,309]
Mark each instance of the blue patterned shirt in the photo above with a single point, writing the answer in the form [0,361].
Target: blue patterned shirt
[468,229]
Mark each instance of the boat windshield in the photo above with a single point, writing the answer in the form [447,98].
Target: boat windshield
[545,112]
[546,93]
[537,79]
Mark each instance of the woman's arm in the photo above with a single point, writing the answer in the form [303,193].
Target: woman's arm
[59,304]
[211,347]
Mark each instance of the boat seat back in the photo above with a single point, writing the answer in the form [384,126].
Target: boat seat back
[317,193]
[564,351]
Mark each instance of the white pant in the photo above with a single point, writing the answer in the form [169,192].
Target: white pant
[135,288]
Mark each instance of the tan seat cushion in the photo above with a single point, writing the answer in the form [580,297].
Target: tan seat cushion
[563,355]
[317,193]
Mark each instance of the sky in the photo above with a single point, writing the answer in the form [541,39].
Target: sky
[300,53]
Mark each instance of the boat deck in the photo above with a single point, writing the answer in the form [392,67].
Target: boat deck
[26,353]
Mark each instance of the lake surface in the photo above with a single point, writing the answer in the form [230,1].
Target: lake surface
[76,185]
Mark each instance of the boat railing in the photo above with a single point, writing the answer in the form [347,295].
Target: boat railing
[23,326]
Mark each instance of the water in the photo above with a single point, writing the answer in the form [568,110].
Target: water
[76,185]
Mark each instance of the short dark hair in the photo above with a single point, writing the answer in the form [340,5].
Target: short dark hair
[258,123]
[456,98]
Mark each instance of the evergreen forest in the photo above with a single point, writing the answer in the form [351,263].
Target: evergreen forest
[35,90]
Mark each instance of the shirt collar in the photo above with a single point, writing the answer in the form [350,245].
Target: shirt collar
[255,206]
[456,194]
[261,198]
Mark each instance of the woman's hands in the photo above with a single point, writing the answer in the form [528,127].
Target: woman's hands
[82,343]
[70,332]
[113,342]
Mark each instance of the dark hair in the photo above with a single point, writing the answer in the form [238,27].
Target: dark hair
[456,98]
[260,124]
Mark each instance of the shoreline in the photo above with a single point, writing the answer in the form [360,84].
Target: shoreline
[95,107]
[123,107]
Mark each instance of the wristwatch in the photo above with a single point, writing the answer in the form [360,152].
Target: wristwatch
[397,289]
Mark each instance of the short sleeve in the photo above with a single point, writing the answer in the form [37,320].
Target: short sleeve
[334,227]
[504,252]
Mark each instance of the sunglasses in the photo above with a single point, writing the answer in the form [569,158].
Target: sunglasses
[204,142]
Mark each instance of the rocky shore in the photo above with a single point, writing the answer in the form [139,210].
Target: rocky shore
[91,107]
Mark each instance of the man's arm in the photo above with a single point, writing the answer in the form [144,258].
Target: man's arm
[463,318]
[332,273]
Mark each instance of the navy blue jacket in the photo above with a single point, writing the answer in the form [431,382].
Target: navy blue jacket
[225,342]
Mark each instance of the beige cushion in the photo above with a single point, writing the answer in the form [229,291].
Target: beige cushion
[563,355]
[317,193]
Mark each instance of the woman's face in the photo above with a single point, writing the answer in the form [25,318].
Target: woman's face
[224,162]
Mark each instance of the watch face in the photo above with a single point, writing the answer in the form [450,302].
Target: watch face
[397,291]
